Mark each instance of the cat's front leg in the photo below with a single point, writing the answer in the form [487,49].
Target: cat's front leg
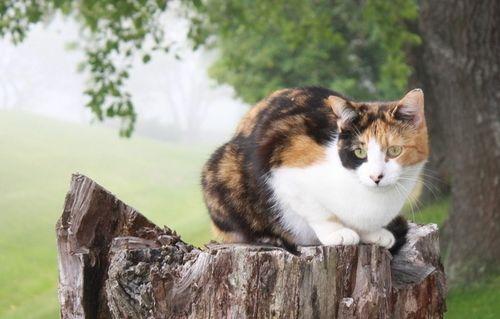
[332,233]
[381,237]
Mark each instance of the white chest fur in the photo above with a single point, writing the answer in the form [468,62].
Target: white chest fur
[315,193]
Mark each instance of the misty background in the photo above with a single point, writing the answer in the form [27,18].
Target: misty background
[174,97]
[47,133]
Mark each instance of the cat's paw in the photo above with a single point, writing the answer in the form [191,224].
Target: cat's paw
[381,237]
[343,236]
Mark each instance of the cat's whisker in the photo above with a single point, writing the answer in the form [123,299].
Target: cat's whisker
[399,191]
[412,200]
[420,178]
[404,197]
[432,188]
[432,178]
[427,184]
[426,172]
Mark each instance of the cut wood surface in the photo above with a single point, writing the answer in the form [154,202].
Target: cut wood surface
[114,263]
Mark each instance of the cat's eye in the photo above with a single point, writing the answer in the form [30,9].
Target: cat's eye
[360,153]
[394,151]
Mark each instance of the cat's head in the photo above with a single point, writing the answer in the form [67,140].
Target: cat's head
[382,142]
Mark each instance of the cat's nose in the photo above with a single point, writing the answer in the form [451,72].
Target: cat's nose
[376,178]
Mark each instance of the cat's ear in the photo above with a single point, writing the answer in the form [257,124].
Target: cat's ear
[343,110]
[411,108]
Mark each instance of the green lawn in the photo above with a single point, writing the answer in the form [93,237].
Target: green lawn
[37,157]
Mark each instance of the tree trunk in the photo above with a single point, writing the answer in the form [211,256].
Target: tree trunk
[436,174]
[462,63]
[114,263]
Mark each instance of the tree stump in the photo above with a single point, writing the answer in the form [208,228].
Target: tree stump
[114,263]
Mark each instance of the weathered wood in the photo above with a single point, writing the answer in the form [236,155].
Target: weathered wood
[92,217]
[114,263]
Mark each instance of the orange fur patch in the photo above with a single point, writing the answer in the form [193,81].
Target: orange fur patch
[302,151]
[226,237]
[417,151]
[389,132]
[230,168]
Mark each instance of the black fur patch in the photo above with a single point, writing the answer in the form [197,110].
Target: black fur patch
[399,228]
[346,142]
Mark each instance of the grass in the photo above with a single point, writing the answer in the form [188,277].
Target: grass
[476,300]
[37,157]
[434,213]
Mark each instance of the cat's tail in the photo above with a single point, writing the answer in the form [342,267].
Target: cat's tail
[399,228]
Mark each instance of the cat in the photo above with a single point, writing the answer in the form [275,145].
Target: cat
[308,166]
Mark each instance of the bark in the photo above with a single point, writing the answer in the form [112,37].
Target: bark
[462,68]
[436,177]
[92,217]
[114,263]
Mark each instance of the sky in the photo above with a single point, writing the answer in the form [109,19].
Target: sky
[40,75]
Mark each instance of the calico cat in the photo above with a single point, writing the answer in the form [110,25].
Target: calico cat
[308,166]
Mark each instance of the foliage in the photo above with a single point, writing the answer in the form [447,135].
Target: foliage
[356,47]
[113,34]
